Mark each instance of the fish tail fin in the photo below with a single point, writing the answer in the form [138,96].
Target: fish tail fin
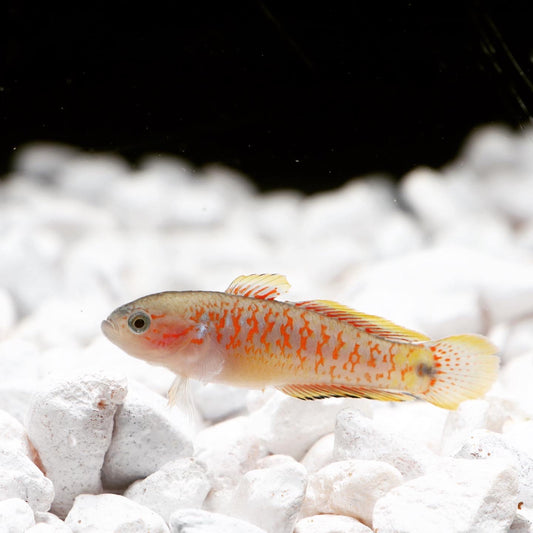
[465,367]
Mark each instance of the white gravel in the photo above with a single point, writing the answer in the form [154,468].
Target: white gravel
[87,442]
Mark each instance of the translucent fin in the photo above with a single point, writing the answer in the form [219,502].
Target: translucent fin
[180,395]
[316,392]
[264,286]
[374,325]
[467,366]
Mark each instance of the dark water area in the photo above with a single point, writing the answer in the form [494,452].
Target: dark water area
[291,94]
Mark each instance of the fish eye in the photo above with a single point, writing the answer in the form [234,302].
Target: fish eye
[139,322]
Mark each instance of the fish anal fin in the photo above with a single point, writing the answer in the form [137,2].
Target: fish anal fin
[374,325]
[264,286]
[318,391]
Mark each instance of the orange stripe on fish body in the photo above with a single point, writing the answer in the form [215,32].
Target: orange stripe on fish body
[310,350]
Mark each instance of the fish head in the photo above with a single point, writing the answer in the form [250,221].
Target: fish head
[158,329]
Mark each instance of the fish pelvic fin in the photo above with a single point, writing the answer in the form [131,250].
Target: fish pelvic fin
[320,391]
[465,367]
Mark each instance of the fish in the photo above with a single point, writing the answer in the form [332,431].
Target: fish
[247,337]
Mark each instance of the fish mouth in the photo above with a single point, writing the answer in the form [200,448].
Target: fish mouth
[109,329]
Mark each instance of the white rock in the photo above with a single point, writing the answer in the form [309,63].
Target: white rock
[228,449]
[459,495]
[21,373]
[350,488]
[271,496]
[20,478]
[520,339]
[198,521]
[358,437]
[282,417]
[353,210]
[19,360]
[326,523]
[503,285]
[111,513]
[419,421]
[490,147]
[86,176]
[521,524]
[147,434]
[520,436]
[515,378]
[70,424]
[430,195]
[483,444]
[8,313]
[216,401]
[469,416]
[320,454]
[179,484]
[16,516]
[13,437]
[52,522]
[103,355]
[15,397]
[29,265]
[42,161]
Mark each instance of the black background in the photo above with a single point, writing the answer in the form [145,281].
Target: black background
[293,94]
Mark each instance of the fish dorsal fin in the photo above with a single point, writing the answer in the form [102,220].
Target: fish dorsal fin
[374,325]
[264,286]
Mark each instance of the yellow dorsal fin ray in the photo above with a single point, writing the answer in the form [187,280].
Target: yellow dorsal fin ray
[264,286]
[374,325]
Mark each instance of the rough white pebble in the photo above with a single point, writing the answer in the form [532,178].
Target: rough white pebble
[228,449]
[20,478]
[8,314]
[52,522]
[328,523]
[432,198]
[419,421]
[148,433]
[469,416]
[359,437]
[350,488]
[30,257]
[521,524]
[502,285]
[282,417]
[320,454]
[111,513]
[16,516]
[198,521]
[216,401]
[458,495]
[41,161]
[515,376]
[86,176]
[13,436]
[483,444]
[520,436]
[179,484]
[70,424]
[271,495]
[520,339]
[15,397]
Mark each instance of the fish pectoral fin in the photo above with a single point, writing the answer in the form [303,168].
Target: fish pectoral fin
[263,286]
[371,324]
[316,392]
